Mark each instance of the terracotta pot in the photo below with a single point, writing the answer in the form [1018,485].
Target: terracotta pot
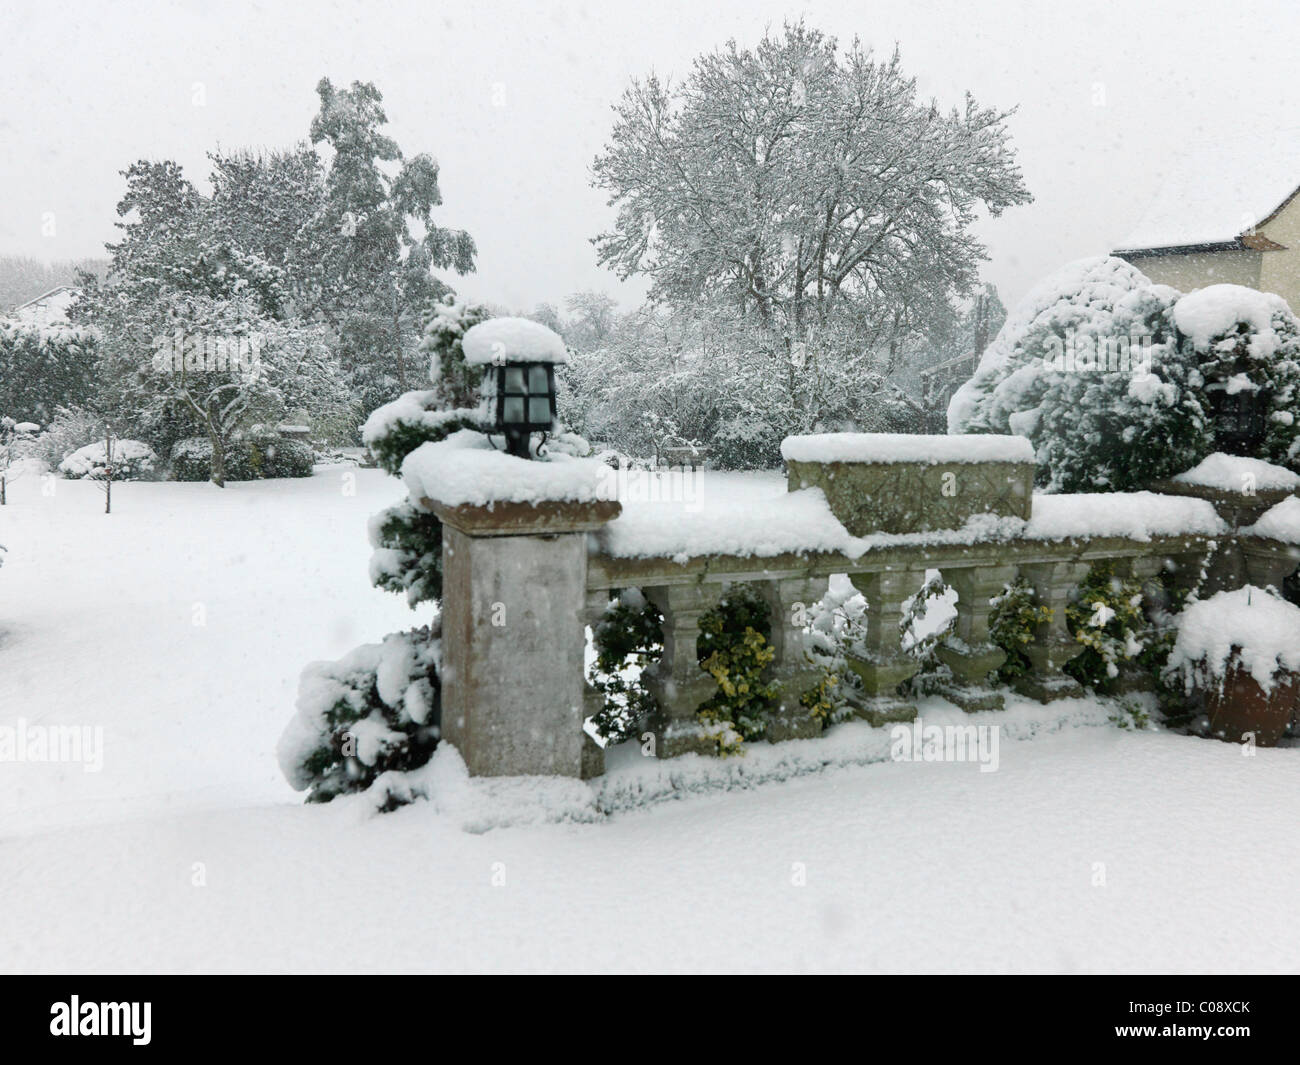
[1243,706]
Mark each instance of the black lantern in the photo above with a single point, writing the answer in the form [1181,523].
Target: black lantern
[517,399]
[517,393]
[1240,418]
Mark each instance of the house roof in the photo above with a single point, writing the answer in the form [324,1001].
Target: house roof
[1217,193]
[48,308]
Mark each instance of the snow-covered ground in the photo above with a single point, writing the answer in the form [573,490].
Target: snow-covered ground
[1089,849]
[178,624]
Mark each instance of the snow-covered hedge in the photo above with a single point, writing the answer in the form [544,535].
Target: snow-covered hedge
[1112,377]
[251,458]
[1248,628]
[133,460]
[375,711]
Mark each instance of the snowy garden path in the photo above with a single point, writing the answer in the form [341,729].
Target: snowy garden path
[1092,849]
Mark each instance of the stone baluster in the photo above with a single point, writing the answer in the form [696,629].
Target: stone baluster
[883,664]
[593,755]
[1268,562]
[968,650]
[1053,646]
[677,681]
[791,600]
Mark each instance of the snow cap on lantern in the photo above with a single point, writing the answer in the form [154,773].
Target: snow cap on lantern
[517,394]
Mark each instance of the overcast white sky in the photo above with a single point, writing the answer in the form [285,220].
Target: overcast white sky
[1108,93]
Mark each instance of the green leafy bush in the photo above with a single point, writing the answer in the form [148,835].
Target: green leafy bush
[1017,616]
[1106,617]
[734,650]
[627,638]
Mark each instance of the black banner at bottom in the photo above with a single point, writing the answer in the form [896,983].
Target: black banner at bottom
[377,1014]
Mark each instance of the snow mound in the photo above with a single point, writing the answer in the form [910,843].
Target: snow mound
[690,516]
[1132,515]
[905,447]
[130,459]
[1236,473]
[1249,626]
[466,469]
[1281,522]
[633,782]
[1214,310]
[500,340]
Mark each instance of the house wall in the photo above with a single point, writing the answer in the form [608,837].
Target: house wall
[1280,272]
[1187,272]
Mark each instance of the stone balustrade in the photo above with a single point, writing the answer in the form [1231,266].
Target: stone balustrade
[514,697]
[684,590]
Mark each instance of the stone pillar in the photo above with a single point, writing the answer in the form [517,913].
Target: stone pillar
[677,681]
[1053,646]
[791,599]
[884,665]
[968,651]
[514,597]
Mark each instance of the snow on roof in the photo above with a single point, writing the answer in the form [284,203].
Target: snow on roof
[1236,473]
[1248,624]
[49,308]
[512,340]
[1280,522]
[683,515]
[905,447]
[1220,189]
[466,469]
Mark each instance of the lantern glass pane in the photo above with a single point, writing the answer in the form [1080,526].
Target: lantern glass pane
[512,412]
[539,409]
[487,397]
[515,379]
[537,380]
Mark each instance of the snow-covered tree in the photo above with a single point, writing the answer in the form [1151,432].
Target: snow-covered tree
[806,186]
[378,211]
[1114,378]
[371,719]
[705,376]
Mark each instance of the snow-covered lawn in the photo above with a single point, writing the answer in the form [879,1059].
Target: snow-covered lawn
[1089,849]
[178,624]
